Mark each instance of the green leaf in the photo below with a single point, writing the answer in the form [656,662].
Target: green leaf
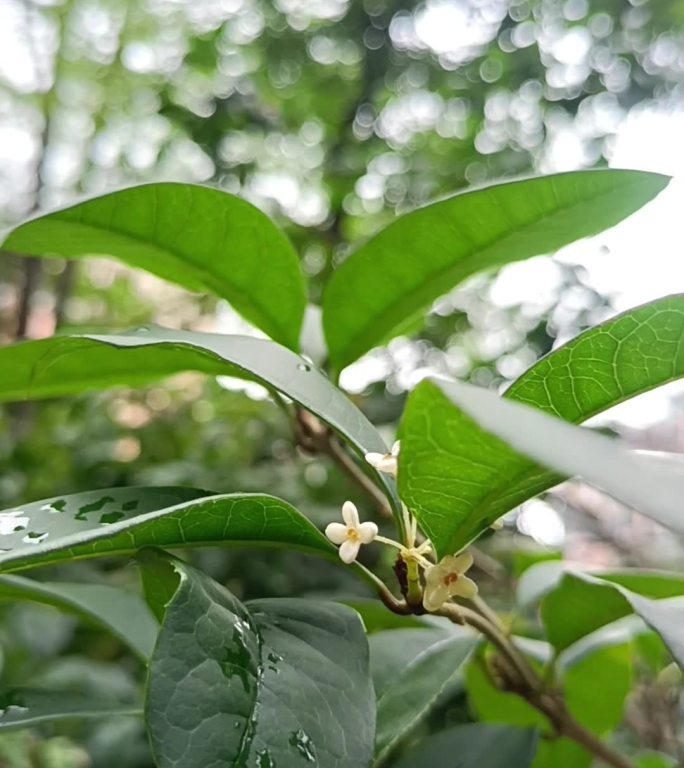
[73,364]
[391,651]
[495,706]
[542,578]
[381,288]
[124,614]
[561,753]
[201,238]
[653,488]
[582,604]
[655,760]
[597,686]
[121,521]
[271,683]
[474,746]
[459,480]
[416,687]
[29,707]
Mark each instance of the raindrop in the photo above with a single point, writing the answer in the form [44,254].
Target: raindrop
[34,537]
[304,745]
[11,522]
[274,658]
[265,759]
[304,367]
[12,703]
[142,329]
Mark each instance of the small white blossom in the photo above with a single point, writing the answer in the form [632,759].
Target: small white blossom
[352,534]
[446,580]
[385,462]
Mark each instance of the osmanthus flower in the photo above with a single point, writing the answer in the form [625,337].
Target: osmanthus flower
[352,534]
[385,462]
[446,580]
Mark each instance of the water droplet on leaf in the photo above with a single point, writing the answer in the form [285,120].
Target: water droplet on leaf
[304,745]
[304,367]
[35,537]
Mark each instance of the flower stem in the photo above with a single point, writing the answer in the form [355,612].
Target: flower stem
[522,679]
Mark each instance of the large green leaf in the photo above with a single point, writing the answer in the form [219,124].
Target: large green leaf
[421,256]
[582,604]
[201,238]
[73,364]
[29,707]
[649,485]
[416,687]
[459,479]
[474,746]
[121,521]
[122,613]
[271,683]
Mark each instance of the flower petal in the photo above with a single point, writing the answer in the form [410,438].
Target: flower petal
[434,597]
[336,532]
[462,562]
[395,449]
[463,587]
[349,550]
[350,514]
[435,575]
[367,532]
[374,458]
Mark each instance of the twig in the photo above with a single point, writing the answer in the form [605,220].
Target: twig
[522,679]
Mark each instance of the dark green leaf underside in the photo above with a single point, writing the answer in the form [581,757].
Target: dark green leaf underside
[26,708]
[122,613]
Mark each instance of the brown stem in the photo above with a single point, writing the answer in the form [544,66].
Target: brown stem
[526,683]
[315,437]
[355,473]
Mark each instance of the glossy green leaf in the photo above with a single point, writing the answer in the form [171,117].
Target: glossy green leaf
[652,487]
[201,238]
[271,683]
[124,614]
[561,753]
[417,686]
[121,521]
[73,364]
[423,255]
[492,705]
[582,604]
[474,746]
[543,578]
[596,687]
[27,708]
[391,651]
[459,480]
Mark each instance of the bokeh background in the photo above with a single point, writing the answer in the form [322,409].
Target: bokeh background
[333,116]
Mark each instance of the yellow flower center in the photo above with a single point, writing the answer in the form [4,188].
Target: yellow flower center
[352,534]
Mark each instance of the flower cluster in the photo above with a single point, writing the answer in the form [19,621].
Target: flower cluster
[443,580]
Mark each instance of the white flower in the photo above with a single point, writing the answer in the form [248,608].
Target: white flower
[385,462]
[446,580]
[352,534]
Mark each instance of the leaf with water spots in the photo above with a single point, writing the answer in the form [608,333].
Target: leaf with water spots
[120,521]
[271,683]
